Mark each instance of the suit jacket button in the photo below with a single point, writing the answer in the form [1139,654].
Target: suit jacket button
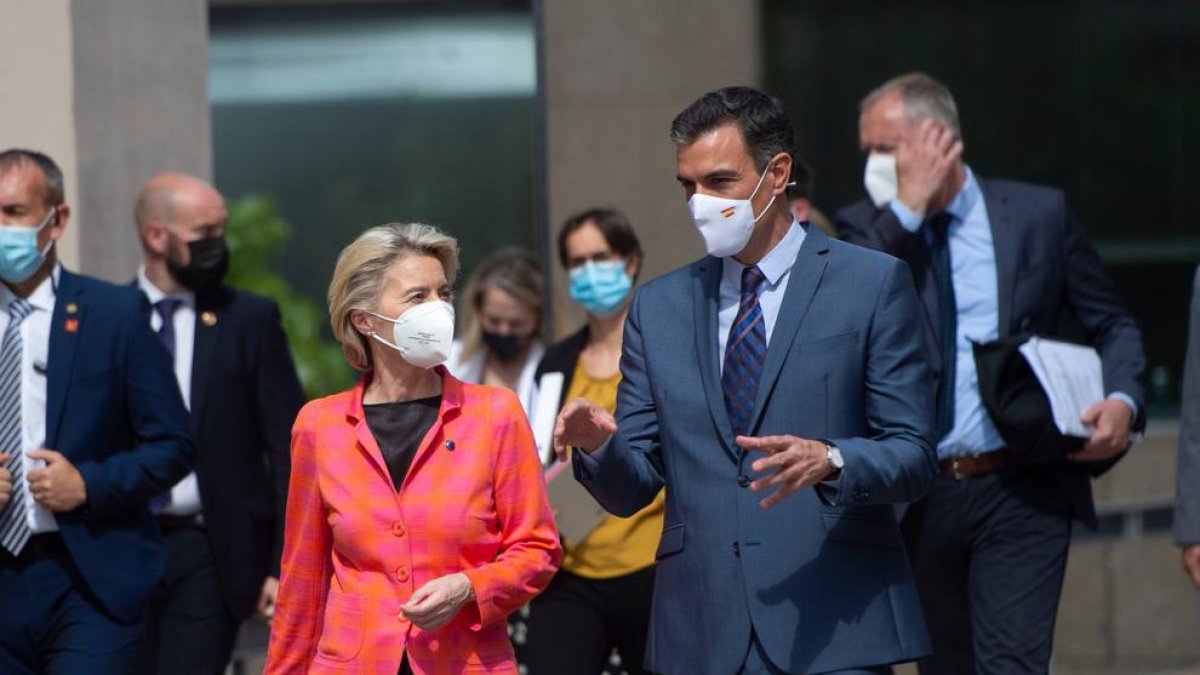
[402,574]
[398,529]
[744,480]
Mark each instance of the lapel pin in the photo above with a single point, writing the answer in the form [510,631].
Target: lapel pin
[72,326]
[208,318]
[72,308]
[450,446]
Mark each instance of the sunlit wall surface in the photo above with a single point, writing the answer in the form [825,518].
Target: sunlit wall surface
[1099,98]
[355,116]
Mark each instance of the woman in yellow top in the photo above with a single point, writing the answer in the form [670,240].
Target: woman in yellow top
[600,599]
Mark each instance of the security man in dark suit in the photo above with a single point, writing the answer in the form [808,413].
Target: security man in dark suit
[223,524]
[91,427]
[991,259]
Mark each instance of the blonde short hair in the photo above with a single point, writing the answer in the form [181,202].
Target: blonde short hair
[362,267]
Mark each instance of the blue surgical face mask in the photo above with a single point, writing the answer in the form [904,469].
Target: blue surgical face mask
[20,256]
[601,287]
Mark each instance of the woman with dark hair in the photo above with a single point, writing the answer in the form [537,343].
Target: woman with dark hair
[600,599]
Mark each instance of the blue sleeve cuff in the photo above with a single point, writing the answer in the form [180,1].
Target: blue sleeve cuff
[586,464]
[908,219]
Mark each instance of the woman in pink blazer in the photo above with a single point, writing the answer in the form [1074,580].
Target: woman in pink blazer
[417,516]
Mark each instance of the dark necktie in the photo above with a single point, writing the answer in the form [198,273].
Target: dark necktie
[744,353]
[166,332]
[939,253]
[14,528]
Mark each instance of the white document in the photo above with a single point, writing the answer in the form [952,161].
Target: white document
[1072,378]
[544,413]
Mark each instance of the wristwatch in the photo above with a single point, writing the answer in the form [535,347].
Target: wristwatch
[834,457]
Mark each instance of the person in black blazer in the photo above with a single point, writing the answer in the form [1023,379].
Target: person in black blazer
[991,258]
[600,598]
[223,525]
[91,426]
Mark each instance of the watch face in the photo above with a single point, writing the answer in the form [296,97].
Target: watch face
[835,457]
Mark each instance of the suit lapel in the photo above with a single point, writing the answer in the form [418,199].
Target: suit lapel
[452,402]
[66,323]
[803,281]
[208,330]
[1001,219]
[706,290]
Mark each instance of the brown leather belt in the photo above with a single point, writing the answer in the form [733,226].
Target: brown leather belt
[965,466]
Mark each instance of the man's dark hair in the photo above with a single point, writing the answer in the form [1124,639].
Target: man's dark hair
[14,157]
[765,127]
[612,224]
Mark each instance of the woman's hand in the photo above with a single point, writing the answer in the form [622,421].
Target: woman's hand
[436,603]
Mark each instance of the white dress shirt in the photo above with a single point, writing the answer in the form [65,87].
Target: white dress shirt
[776,267]
[35,356]
[185,495]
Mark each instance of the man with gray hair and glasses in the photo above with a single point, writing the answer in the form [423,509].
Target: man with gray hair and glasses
[992,259]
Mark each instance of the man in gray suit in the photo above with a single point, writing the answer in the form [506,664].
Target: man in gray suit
[1187,489]
[779,390]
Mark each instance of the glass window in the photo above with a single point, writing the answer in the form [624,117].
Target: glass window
[1096,98]
[360,115]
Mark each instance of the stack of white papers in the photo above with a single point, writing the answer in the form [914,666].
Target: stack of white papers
[1072,378]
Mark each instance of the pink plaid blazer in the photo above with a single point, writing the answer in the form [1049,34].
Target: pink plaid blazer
[355,549]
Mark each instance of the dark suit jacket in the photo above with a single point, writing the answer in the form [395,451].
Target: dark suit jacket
[563,357]
[113,409]
[1046,268]
[822,577]
[245,396]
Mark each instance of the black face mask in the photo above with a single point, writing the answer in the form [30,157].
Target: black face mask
[210,262]
[505,347]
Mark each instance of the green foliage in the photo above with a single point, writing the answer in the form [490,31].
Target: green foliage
[256,235]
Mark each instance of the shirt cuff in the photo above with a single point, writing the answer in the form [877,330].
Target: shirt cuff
[908,219]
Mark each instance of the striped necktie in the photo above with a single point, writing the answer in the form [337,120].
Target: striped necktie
[14,527]
[744,353]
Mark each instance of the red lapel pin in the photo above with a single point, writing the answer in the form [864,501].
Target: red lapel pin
[72,326]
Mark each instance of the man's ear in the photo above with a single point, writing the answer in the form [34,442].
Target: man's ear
[781,171]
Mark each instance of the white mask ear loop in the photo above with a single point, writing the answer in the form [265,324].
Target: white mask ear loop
[375,336]
[768,206]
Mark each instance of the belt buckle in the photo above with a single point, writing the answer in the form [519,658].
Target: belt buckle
[958,475]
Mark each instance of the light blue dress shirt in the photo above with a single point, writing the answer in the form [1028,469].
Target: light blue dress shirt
[976,295]
[776,267]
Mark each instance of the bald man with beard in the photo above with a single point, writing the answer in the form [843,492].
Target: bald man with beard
[223,523]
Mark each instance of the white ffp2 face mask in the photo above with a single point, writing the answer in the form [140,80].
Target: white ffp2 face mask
[880,178]
[726,224]
[422,334]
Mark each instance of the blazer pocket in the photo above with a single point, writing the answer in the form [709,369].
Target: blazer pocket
[671,542]
[821,345]
[856,530]
[341,633]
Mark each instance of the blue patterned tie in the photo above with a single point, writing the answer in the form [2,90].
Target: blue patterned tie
[14,528]
[939,253]
[744,353]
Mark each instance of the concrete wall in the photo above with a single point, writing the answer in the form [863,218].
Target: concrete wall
[38,78]
[614,74]
[115,92]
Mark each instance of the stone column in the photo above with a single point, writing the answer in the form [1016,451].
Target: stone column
[614,73]
[115,92]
